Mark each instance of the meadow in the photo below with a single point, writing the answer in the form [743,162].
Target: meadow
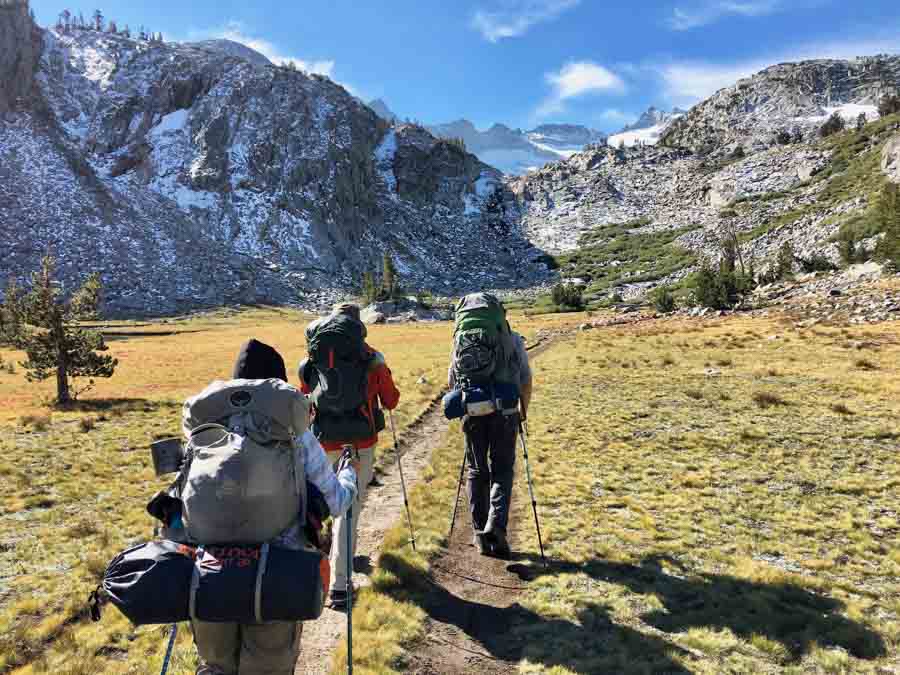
[716,497]
[76,481]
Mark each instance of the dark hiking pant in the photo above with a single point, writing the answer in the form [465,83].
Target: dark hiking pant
[491,453]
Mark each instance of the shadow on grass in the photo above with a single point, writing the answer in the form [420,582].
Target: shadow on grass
[785,613]
[117,405]
[591,644]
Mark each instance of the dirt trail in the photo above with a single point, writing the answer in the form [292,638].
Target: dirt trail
[383,506]
[459,595]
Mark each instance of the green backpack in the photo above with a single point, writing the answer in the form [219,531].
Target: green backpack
[483,349]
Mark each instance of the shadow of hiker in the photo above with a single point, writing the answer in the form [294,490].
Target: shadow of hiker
[590,644]
[785,613]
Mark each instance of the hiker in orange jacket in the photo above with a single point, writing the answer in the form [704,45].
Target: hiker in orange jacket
[381,392]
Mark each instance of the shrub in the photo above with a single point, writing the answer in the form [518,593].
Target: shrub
[866,364]
[738,153]
[567,295]
[848,248]
[888,248]
[783,137]
[766,399]
[841,409]
[816,263]
[784,265]
[663,300]
[86,424]
[835,124]
[720,289]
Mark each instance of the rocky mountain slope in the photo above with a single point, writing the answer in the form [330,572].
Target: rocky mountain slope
[666,208]
[787,96]
[192,175]
[516,152]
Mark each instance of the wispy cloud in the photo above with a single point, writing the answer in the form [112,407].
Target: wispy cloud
[705,13]
[578,79]
[616,116]
[238,32]
[687,82]
[512,18]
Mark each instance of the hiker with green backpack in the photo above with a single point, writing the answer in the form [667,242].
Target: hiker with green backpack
[491,384]
[348,383]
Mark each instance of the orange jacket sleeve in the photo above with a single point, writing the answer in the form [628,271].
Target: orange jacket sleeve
[385,388]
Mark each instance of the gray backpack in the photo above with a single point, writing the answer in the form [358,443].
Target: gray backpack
[241,482]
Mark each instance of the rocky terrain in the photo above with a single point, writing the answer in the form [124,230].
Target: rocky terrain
[193,175]
[786,97]
[721,169]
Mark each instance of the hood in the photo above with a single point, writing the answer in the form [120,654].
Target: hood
[259,361]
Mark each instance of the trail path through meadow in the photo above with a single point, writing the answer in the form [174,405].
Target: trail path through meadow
[383,506]
[455,590]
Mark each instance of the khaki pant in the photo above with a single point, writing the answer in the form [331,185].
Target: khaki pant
[339,551]
[247,649]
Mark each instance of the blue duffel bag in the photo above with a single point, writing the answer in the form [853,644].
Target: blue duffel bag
[165,582]
[479,401]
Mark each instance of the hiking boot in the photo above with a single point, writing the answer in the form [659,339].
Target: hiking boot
[340,599]
[481,544]
[496,539]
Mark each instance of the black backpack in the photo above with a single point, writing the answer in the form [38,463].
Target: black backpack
[340,378]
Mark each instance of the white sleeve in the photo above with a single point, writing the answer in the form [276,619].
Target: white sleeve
[339,491]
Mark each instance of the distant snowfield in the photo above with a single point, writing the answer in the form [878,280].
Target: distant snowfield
[849,111]
[648,136]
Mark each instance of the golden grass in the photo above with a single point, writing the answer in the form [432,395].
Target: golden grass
[706,534]
[76,481]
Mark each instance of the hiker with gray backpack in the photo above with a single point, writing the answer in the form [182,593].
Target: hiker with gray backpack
[238,557]
[491,384]
[349,385]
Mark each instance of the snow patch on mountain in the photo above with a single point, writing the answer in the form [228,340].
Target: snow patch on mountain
[649,128]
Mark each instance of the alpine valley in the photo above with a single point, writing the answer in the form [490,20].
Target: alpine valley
[200,174]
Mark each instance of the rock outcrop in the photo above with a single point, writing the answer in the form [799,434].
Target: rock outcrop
[786,97]
[890,159]
[20,48]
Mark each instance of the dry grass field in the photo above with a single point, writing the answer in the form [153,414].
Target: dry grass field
[718,497]
[75,482]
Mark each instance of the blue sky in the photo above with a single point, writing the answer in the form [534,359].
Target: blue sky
[523,62]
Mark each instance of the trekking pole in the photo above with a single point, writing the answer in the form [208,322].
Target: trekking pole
[537,524]
[462,470]
[412,532]
[350,590]
[168,657]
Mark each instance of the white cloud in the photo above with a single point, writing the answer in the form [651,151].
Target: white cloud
[616,116]
[513,18]
[686,83]
[709,12]
[235,31]
[577,79]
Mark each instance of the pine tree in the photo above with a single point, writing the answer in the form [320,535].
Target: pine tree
[784,265]
[98,20]
[861,121]
[888,249]
[142,34]
[127,31]
[369,288]
[47,330]
[388,276]
[112,28]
